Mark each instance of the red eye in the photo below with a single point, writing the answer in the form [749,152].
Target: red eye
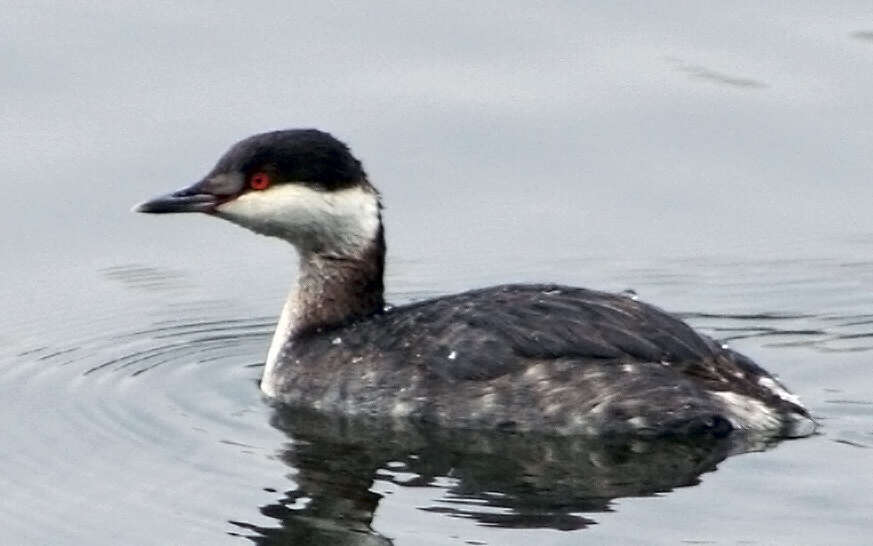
[259,181]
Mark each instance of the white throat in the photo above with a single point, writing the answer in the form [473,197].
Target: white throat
[276,353]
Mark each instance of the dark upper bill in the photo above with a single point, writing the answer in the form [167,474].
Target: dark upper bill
[203,196]
[176,202]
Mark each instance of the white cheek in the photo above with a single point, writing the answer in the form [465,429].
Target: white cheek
[305,216]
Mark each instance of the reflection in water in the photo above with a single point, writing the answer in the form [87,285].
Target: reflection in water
[488,114]
[495,478]
[168,397]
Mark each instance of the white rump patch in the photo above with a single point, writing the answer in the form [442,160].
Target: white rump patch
[746,413]
[780,391]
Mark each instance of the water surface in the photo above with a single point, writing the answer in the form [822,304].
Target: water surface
[715,160]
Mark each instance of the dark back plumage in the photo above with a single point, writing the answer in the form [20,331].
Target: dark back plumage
[588,348]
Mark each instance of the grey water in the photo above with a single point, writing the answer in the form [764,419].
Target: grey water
[715,158]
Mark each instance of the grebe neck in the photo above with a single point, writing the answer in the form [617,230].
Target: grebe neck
[331,289]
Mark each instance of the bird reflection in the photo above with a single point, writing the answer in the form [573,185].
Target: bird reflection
[515,480]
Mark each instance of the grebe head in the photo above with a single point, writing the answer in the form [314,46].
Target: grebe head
[301,185]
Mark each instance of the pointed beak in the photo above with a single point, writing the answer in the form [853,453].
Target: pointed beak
[179,201]
[203,196]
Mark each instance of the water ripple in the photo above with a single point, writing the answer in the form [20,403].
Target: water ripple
[156,409]
[124,432]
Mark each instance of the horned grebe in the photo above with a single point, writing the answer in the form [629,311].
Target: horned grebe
[519,357]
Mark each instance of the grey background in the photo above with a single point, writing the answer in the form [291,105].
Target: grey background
[715,157]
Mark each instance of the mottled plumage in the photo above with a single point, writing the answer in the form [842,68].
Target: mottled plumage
[548,358]
[528,357]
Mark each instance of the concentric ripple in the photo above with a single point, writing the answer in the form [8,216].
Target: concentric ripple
[107,434]
[140,422]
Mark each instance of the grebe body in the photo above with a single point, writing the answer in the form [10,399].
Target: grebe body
[547,358]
